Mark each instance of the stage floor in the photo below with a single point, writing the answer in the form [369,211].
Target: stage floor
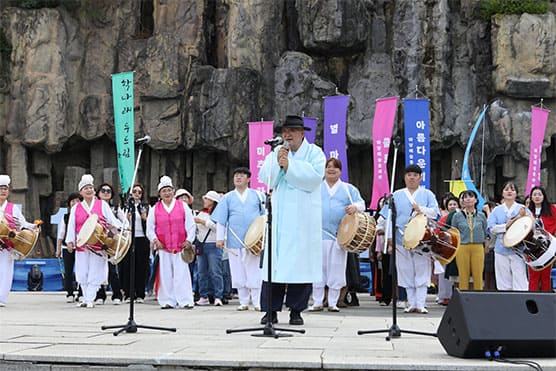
[42,331]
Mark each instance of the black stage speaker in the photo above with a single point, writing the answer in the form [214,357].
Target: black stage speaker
[519,323]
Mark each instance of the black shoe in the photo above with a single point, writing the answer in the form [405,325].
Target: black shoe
[225,301]
[274,318]
[295,318]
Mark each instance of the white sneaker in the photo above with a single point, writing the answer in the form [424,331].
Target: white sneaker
[217,302]
[81,305]
[139,300]
[202,302]
[316,308]
[257,309]
[402,304]
[70,299]
[116,302]
[90,305]
[242,307]
[2,304]
[333,309]
[97,302]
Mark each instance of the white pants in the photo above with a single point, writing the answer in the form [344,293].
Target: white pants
[414,273]
[246,276]
[91,271]
[175,282]
[511,272]
[6,274]
[334,261]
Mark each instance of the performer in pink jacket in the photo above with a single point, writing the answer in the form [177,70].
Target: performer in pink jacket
[171,228]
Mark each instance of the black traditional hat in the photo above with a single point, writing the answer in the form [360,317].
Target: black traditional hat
[294,122]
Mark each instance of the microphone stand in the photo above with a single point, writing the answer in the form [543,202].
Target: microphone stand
[268,329]
[394,331]
[131,326]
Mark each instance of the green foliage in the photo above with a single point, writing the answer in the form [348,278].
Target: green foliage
[488,8]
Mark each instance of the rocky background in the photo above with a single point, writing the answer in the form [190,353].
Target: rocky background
[203,68]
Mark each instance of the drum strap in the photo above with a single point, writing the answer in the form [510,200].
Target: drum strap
[347,191]
[236,236]
[329,234]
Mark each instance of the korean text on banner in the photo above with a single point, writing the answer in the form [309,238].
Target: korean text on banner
[383,124]
[335,111]
[539,117]
[417,136]
[310,122]
[122,96]
[259,131]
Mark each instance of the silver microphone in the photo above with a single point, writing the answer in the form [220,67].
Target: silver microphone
[144,140]
[286,146]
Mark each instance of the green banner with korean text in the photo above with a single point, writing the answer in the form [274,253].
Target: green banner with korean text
[122,97]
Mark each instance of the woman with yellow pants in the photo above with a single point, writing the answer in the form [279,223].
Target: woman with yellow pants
[472,225]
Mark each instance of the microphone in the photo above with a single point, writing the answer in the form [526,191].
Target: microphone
[286,146]
[274,141]
[145,139]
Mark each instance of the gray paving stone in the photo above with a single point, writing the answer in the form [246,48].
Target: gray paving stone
[40,329]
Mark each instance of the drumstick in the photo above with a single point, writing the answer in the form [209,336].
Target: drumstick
[230,251]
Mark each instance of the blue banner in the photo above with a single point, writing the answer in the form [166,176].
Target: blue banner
[122,97]
[335,112]
[417,136]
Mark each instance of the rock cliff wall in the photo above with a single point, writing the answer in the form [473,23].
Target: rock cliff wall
[203,68]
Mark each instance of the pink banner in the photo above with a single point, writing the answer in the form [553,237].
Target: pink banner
[383,124]
[539,117]
[258,132]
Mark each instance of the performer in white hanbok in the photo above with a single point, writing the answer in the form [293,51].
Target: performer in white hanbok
[338,199]
[171,228]
[11,215]
[233,215]
[294,172]
[414,268]
[510,268]
[91,269]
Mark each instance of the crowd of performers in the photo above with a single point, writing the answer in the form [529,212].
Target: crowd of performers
[309,202]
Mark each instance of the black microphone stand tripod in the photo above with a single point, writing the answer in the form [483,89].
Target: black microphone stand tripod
[131,326]
[394,331]
[268,329]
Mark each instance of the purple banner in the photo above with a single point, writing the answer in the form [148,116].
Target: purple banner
[310,122]
[539,117]
[383,124]
[335,111]
[417,136]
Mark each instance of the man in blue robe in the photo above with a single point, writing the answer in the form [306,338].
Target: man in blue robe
[294,172]
[234,215]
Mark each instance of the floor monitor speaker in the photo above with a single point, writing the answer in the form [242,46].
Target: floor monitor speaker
[517,323]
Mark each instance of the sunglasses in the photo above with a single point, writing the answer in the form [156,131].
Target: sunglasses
[137,191]
[106,190]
